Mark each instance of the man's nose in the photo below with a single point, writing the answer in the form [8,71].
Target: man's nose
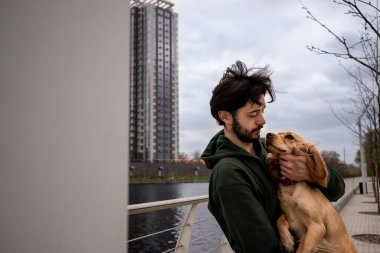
[261,120]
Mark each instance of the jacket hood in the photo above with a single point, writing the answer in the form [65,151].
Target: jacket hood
[220,147]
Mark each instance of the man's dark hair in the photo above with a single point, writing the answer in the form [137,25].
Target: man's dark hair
[238,86]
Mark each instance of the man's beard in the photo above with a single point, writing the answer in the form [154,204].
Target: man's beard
[244,134]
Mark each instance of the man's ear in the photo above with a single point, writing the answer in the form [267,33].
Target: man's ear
[226,117]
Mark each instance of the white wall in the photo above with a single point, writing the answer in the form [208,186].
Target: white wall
[64,73]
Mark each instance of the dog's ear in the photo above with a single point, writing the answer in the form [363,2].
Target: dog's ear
[317,167]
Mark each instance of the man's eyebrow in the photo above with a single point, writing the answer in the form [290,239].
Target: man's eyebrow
[257,109]
[261,107]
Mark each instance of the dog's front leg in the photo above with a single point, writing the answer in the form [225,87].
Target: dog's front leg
[285,235]
[315,233]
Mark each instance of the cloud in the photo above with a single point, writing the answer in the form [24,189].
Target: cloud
[214,34]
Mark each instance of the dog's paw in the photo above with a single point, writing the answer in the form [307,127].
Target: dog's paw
[285,235]
[288,241]
[289,246]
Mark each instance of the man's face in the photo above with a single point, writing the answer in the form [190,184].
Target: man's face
[248,120]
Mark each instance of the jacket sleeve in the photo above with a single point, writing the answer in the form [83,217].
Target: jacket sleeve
[335,187]
[248,226]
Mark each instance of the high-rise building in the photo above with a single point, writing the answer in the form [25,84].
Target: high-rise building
[154,130]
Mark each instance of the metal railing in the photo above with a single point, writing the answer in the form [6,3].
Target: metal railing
[184,241]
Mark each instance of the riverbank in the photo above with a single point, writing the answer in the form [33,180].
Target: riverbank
[163,180]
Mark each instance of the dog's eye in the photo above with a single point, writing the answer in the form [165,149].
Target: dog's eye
[289,137]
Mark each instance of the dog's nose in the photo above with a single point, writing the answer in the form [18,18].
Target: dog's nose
[269,135]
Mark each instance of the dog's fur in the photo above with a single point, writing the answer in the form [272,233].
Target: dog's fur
[308,216]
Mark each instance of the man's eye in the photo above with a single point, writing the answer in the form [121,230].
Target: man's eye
[289,137]
[255,114]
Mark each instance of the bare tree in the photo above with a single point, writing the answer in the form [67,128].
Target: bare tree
[183,156]
[362,50]
[331,159]
[367,39]
[197,155]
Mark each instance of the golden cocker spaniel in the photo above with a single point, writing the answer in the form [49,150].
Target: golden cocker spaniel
[308,216]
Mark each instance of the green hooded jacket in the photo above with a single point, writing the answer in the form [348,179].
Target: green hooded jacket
[243,198]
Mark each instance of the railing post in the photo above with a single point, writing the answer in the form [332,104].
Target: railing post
[183,242]
[225,246]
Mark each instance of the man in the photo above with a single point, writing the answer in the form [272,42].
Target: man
[242,197]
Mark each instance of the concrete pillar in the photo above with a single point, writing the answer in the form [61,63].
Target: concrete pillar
[64,73]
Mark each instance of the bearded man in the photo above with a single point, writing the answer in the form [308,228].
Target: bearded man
[242,197]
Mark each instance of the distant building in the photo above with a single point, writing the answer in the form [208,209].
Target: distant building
[154,131]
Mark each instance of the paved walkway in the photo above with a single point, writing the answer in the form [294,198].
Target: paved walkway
[358,222]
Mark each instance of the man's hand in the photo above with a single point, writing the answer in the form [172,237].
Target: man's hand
[293,166]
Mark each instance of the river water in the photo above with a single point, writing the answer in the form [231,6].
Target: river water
[142,224]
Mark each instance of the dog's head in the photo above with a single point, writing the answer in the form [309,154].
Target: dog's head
[285,142]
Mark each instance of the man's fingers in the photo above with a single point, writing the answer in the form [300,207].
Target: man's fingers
[298,152]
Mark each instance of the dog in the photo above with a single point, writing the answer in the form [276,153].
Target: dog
[308,216]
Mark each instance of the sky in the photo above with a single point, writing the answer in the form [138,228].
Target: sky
[213,34]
